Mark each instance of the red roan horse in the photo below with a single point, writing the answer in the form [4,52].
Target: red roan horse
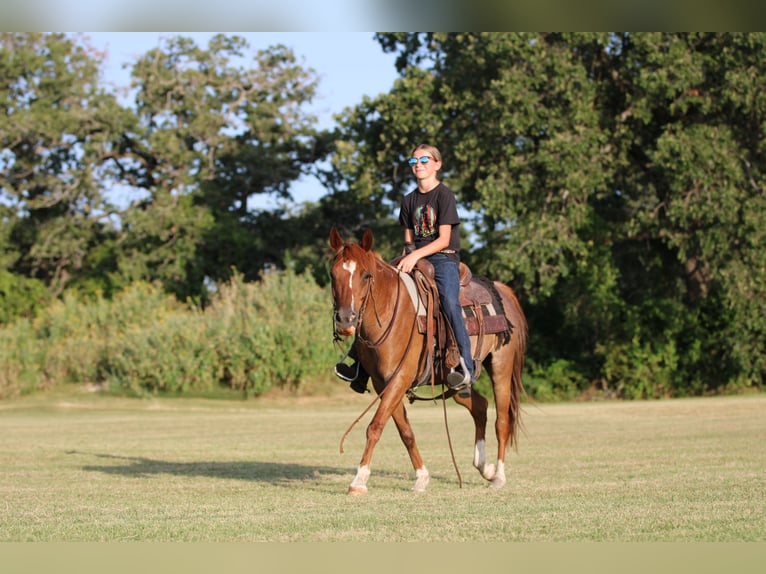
[370,301]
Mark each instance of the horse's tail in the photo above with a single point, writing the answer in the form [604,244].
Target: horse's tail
[518,345]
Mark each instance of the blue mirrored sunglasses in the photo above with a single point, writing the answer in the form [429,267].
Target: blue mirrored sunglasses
[414,160]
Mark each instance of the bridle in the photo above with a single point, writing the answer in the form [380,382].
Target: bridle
[370,295]
[362,308]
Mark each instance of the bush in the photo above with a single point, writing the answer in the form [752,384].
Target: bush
[20,297]
[20,360]
[252,337]
[640,370]
[269,332]
[557,381]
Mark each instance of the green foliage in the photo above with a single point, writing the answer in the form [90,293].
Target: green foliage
[20,360]
[215,134]
[251,338]
[615,180]
[20,296]
[54,137]
[270,333]
[558,381]
[168,357]
[641,370]
[95,196]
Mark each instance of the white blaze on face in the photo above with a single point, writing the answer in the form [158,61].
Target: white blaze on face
[350,266]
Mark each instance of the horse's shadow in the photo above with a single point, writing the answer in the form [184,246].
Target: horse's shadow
[270,472]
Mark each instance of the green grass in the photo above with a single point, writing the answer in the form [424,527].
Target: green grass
[83,467]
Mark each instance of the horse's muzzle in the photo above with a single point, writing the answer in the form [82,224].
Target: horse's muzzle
[346,331]
[345,322]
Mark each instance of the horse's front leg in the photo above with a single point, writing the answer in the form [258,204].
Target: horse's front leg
[389,400]
[359,484]
[477,406]
[374,430]
[408,438]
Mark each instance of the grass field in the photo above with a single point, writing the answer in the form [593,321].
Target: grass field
[83,467]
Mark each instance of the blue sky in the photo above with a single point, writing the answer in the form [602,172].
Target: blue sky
[350,65]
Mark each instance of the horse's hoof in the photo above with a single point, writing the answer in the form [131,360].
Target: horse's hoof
[357,490]
[420,485]
[489,471]
[497,483]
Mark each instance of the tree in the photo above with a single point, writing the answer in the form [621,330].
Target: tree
[55,131]
[614,179]
[214,131]
[95,195]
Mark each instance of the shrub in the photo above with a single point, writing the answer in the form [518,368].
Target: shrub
[20,360]
[20,297]
[557,381]
[252,337]
[640,370]
[266,332]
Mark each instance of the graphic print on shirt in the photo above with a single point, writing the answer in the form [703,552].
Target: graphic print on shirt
[425,221]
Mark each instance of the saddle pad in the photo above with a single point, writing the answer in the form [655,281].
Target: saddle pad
[412,289]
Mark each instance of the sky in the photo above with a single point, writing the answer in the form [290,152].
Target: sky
[350,65]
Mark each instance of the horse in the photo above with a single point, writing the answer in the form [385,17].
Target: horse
[371,302]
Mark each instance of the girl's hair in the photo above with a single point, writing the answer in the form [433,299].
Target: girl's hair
[432,150]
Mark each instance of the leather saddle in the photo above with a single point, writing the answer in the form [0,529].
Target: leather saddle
[482,308]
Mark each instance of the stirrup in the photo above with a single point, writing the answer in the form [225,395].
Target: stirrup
[347,372]
[460,382]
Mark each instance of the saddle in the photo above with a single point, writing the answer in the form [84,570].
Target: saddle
[483,314]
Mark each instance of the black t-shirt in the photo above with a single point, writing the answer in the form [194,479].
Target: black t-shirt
[425,212]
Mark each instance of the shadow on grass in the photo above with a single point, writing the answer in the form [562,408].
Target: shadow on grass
[271,472]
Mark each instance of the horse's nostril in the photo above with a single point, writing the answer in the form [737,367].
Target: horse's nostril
[345,318]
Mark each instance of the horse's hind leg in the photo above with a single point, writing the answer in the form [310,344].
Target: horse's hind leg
[408,438]
[477,406]
[501,376]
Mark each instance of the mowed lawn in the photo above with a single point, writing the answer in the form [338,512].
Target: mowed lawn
[83,467]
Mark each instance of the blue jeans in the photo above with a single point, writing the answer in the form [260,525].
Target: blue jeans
[448,281]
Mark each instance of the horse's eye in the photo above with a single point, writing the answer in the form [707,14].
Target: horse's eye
[366,275]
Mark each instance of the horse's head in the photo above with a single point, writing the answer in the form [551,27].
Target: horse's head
[352,276]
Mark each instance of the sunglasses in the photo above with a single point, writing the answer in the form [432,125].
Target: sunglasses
[422,159]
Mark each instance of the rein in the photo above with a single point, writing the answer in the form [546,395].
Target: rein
[371,295]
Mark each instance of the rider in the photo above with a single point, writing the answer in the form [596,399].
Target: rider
[430,218]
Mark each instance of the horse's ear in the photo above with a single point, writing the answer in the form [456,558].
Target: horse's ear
[336,241]
[367,240]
